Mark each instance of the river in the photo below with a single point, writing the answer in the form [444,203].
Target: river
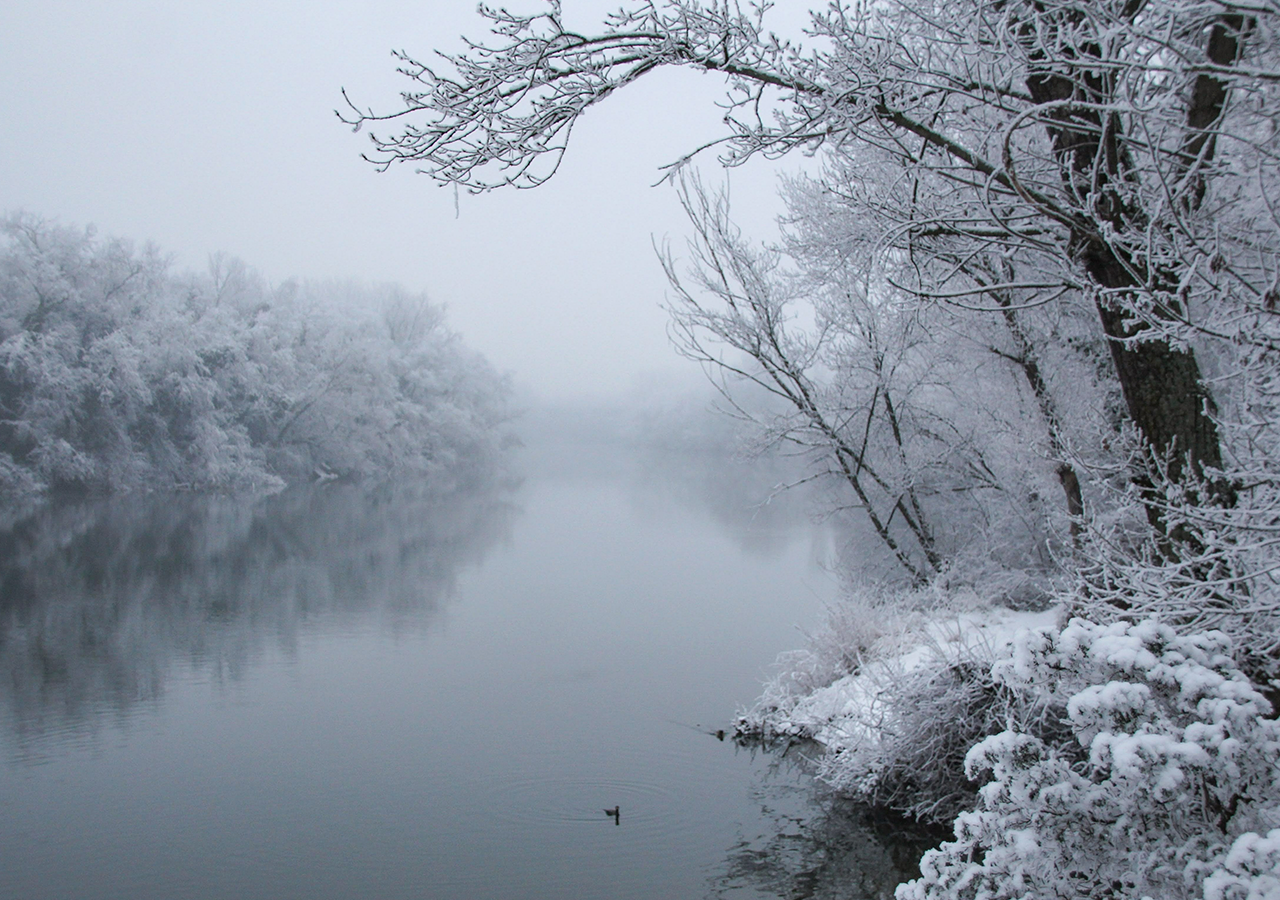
[384,692]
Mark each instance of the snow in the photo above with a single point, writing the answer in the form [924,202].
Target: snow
[845,714]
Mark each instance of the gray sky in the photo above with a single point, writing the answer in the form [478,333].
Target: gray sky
[209,126]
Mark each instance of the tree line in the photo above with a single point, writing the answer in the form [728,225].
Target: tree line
[118,373]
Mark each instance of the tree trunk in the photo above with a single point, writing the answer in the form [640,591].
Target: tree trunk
[1162,387]
[1028,361]
[1161,383]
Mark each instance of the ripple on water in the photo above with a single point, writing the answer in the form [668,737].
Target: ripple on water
[572,801]
[560,842]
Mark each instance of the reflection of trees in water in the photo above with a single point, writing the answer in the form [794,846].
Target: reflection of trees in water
[99,601]
[821,845]
[677,448]
[745,495]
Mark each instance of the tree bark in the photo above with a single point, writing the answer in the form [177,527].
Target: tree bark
[1162,385]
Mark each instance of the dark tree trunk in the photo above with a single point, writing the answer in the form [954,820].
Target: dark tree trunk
[1162,386]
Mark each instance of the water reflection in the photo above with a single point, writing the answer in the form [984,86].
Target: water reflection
[683,456]
[817,844]
[749,497]
[100,600]
[309,733]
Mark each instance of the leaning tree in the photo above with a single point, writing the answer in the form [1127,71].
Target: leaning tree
[1113,134]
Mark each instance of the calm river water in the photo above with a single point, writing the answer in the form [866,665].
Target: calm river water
[345,691]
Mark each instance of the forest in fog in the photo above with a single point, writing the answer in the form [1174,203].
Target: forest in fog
[118,373]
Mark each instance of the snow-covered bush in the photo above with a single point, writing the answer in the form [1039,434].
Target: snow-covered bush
[1250,871]
[897,696]
[925,720]
[1166,790]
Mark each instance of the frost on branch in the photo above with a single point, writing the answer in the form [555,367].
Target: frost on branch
[1167,795]
[1113,152]
[501,113]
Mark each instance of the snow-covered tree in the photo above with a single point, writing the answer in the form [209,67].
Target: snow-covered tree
[1123,144]
[116,373]
[913,410]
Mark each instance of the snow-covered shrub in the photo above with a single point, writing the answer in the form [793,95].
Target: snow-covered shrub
[1250,871]
[897,696]
[1164,792]
[925,719]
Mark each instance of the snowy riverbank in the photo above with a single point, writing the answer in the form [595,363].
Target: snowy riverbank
[848,713]
[895,700]
[1076,759]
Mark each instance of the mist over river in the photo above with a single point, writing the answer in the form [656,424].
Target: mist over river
[356,690]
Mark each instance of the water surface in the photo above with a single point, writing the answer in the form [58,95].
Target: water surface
[381,692]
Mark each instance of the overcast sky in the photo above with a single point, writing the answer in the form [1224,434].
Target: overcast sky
[209,126]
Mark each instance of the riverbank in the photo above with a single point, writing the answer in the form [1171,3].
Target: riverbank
[894,700]
[1078,759]
[843,714]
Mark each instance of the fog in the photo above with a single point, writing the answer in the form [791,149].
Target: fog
[210,127]
[396,691]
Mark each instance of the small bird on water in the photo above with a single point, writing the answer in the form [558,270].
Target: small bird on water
[615,814]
